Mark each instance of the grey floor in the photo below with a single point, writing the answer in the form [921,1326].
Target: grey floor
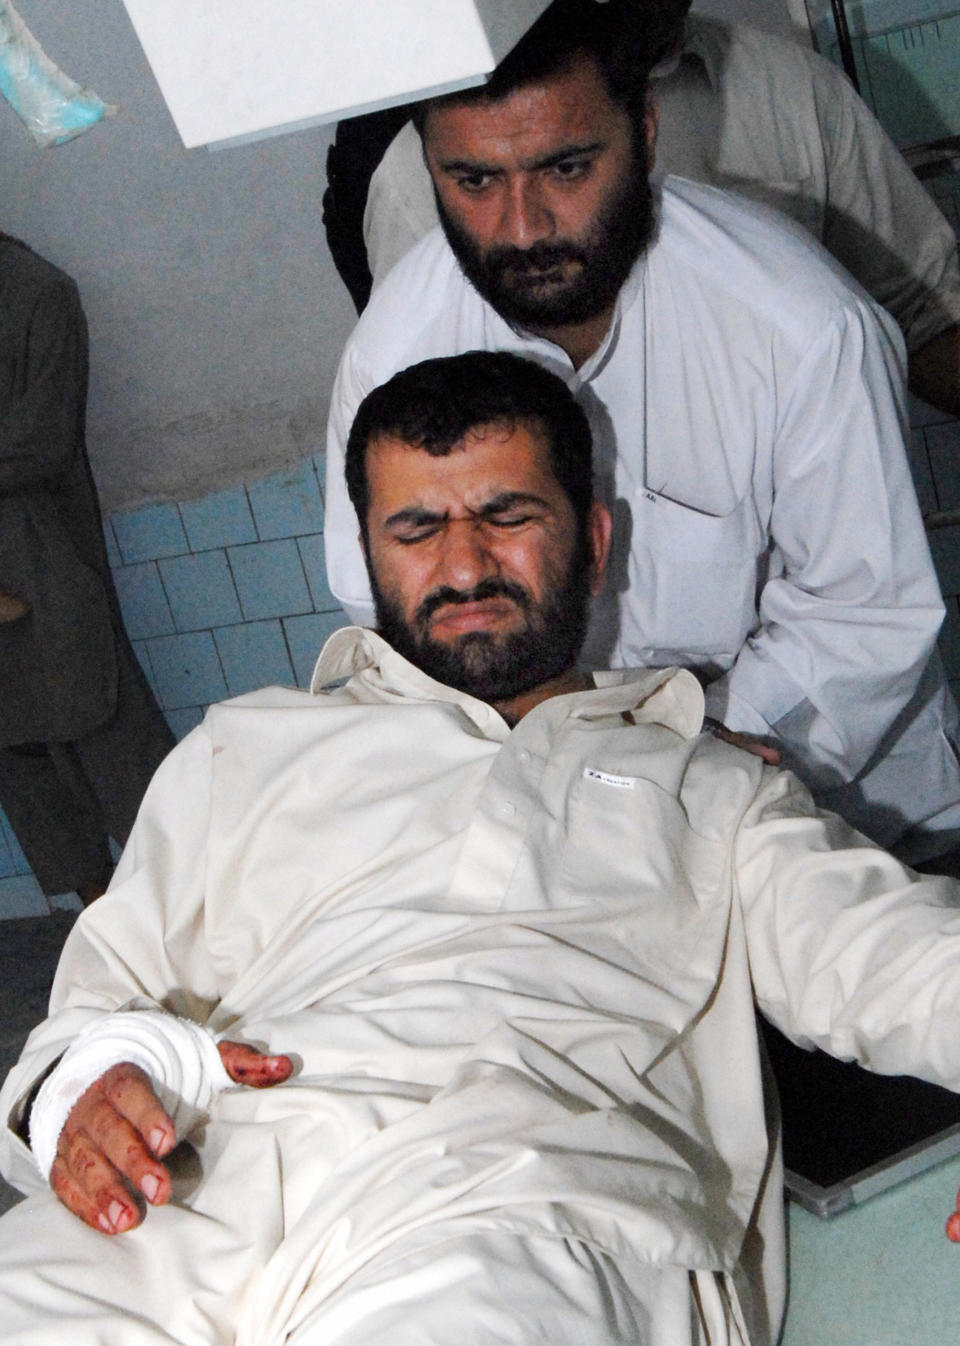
[29,950]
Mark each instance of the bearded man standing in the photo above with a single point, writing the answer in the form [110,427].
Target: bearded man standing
[747,410]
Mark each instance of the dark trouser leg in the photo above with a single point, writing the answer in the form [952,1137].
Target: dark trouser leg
[55,816]
[64,800]
[120,757]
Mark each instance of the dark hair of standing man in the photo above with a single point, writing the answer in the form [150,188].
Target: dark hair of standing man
[625,38]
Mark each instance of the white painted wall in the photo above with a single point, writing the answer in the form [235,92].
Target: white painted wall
[216,315]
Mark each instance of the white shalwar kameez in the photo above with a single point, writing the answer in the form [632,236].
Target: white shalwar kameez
[747,413]
[516,971]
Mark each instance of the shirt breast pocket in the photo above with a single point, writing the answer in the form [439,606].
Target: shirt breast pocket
[695,576]
[632,855]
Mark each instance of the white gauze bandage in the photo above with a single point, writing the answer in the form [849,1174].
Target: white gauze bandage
[180,1057]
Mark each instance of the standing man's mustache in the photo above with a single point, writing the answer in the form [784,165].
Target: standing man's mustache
[538,257]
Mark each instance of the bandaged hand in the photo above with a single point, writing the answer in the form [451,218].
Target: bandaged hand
[100,1132]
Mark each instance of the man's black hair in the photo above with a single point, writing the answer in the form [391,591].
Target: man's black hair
[625,38]
[433,405]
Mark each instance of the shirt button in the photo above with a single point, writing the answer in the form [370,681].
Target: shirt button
[523,757]
[507,809]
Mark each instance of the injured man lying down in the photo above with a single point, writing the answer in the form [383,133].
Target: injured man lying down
[422,1006]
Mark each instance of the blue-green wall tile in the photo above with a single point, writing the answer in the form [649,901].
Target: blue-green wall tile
[253,655]
[221,519]
[287,503]
[183,720]
[270,579]
[187,670]
[143,602]
[201,591]
[151,532]
[315,569]
[306,637]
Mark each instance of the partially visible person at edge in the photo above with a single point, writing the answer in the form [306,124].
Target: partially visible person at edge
[739,109]
[746,403]
[80,731]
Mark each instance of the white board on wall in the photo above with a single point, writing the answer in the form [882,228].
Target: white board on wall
[239,69]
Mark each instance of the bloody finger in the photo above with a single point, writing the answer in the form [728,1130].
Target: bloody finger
[91,1175]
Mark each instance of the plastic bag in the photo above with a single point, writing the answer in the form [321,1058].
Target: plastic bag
[53,108]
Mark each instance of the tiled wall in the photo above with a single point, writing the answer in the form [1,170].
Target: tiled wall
[220,595]
[226,593]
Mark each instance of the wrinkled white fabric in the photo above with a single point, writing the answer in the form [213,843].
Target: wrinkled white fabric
[755,114]
[747,412]
[180,1057]
[520,997]
[555,1291]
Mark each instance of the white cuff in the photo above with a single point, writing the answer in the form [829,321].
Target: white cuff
[180,1057]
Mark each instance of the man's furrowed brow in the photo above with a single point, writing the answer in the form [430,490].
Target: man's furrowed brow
[569,152]
[418,516]
[414,516]
[466,166]
[507,500]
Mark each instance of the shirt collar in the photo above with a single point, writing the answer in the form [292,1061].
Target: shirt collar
[357,651]
[668,696]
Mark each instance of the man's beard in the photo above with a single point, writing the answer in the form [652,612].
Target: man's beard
[507,277]
[486,664]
